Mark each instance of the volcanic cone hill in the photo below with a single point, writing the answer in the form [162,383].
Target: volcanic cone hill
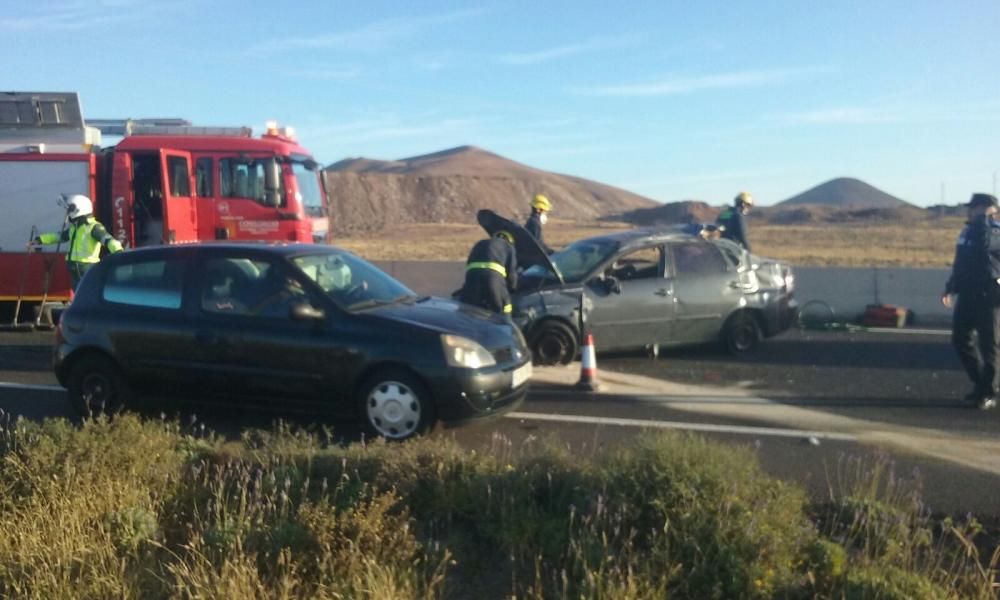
[451,185]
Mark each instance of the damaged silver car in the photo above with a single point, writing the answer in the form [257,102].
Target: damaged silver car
[647,288]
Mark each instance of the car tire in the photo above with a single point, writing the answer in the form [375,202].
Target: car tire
[741,333]
[395,405]
[97,386]
[553,343]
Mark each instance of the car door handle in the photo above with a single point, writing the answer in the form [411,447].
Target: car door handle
[664,292]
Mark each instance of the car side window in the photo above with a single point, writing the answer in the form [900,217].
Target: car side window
[246,287]
[697,258]
[153,283]
[640,264]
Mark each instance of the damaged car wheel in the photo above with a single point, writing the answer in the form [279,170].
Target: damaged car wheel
[553,343]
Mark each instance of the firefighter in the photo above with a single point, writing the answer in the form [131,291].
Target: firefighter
[85,236]
[540,207]
[731,222]
[975,280]
[491,273]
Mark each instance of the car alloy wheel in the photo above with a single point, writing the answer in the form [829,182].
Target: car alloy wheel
[396,406]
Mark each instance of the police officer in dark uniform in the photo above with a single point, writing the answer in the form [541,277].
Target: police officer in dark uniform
[731,222]
[491,273]
[975,279]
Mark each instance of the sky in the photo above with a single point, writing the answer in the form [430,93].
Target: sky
[669,99]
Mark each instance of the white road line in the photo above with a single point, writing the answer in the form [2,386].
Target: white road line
[910,331]
[33,387]
[705,427]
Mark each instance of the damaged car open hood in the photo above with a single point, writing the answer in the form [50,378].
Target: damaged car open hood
[529,251]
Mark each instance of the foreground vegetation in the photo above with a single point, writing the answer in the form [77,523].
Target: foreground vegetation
[141,509]
[928,243]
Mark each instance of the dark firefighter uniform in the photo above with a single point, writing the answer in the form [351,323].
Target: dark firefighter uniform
[974,278]
[490,275]
[734,226]
[534,227]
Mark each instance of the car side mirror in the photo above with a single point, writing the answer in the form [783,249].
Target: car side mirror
[612,284]
[303,311]
[272,179]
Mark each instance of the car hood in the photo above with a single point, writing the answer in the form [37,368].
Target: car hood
[448,316]
[529,251]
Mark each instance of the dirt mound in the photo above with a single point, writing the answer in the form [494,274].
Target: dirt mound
[671,213]
[845,192]
[810,213]
[451,185]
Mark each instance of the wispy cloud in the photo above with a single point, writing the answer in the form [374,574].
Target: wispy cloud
[327,73]
[557,52]
[390,127]
[370,37]
[672,86]
[76,15]
[872,115]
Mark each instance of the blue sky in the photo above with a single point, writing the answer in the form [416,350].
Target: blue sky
[673,100]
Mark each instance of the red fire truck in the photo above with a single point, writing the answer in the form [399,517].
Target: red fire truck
[164,182]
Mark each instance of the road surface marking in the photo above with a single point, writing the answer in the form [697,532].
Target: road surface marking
[910,331]
[705,427]
[33,387]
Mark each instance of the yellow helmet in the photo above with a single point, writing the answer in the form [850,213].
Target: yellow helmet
[744,198]
[505,235]
[541,202]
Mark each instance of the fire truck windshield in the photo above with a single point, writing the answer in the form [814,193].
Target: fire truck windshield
[307,181]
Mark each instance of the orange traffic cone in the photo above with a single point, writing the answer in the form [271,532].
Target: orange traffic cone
[588,366]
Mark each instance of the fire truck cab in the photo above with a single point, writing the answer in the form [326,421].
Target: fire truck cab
[165,181]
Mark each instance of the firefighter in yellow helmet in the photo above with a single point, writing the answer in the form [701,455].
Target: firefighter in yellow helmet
[84,235]
[540,207]
[731,221]
[491,274]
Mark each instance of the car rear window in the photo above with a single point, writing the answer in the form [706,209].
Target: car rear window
[155,283]
[697,258]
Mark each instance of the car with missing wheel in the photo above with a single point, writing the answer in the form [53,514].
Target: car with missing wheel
[646,288]
[291,326]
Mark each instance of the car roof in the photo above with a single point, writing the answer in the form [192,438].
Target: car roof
[273,248]
[644,235]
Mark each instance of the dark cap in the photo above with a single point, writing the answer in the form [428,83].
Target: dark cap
[983,200]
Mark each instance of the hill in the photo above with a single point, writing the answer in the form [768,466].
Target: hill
[451,185]
[845,192]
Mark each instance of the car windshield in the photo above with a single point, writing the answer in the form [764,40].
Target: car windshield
[352,282]
[577,260]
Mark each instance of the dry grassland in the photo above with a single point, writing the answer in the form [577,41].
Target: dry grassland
[926,244]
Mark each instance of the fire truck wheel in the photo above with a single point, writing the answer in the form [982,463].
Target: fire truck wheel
[97,386]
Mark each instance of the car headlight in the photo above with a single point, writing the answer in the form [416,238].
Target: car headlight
[463,352]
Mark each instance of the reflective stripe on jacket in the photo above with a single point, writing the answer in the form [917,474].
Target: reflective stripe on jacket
[487,265]
[85,238]
[495,255]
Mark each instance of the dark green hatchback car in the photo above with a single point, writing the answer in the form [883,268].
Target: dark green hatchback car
[288,325]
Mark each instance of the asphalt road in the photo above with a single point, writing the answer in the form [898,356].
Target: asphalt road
[896,379]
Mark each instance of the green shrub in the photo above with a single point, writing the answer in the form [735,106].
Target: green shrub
[133,509]
[891,583]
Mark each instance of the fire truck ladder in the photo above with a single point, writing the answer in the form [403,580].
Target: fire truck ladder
[127,127]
